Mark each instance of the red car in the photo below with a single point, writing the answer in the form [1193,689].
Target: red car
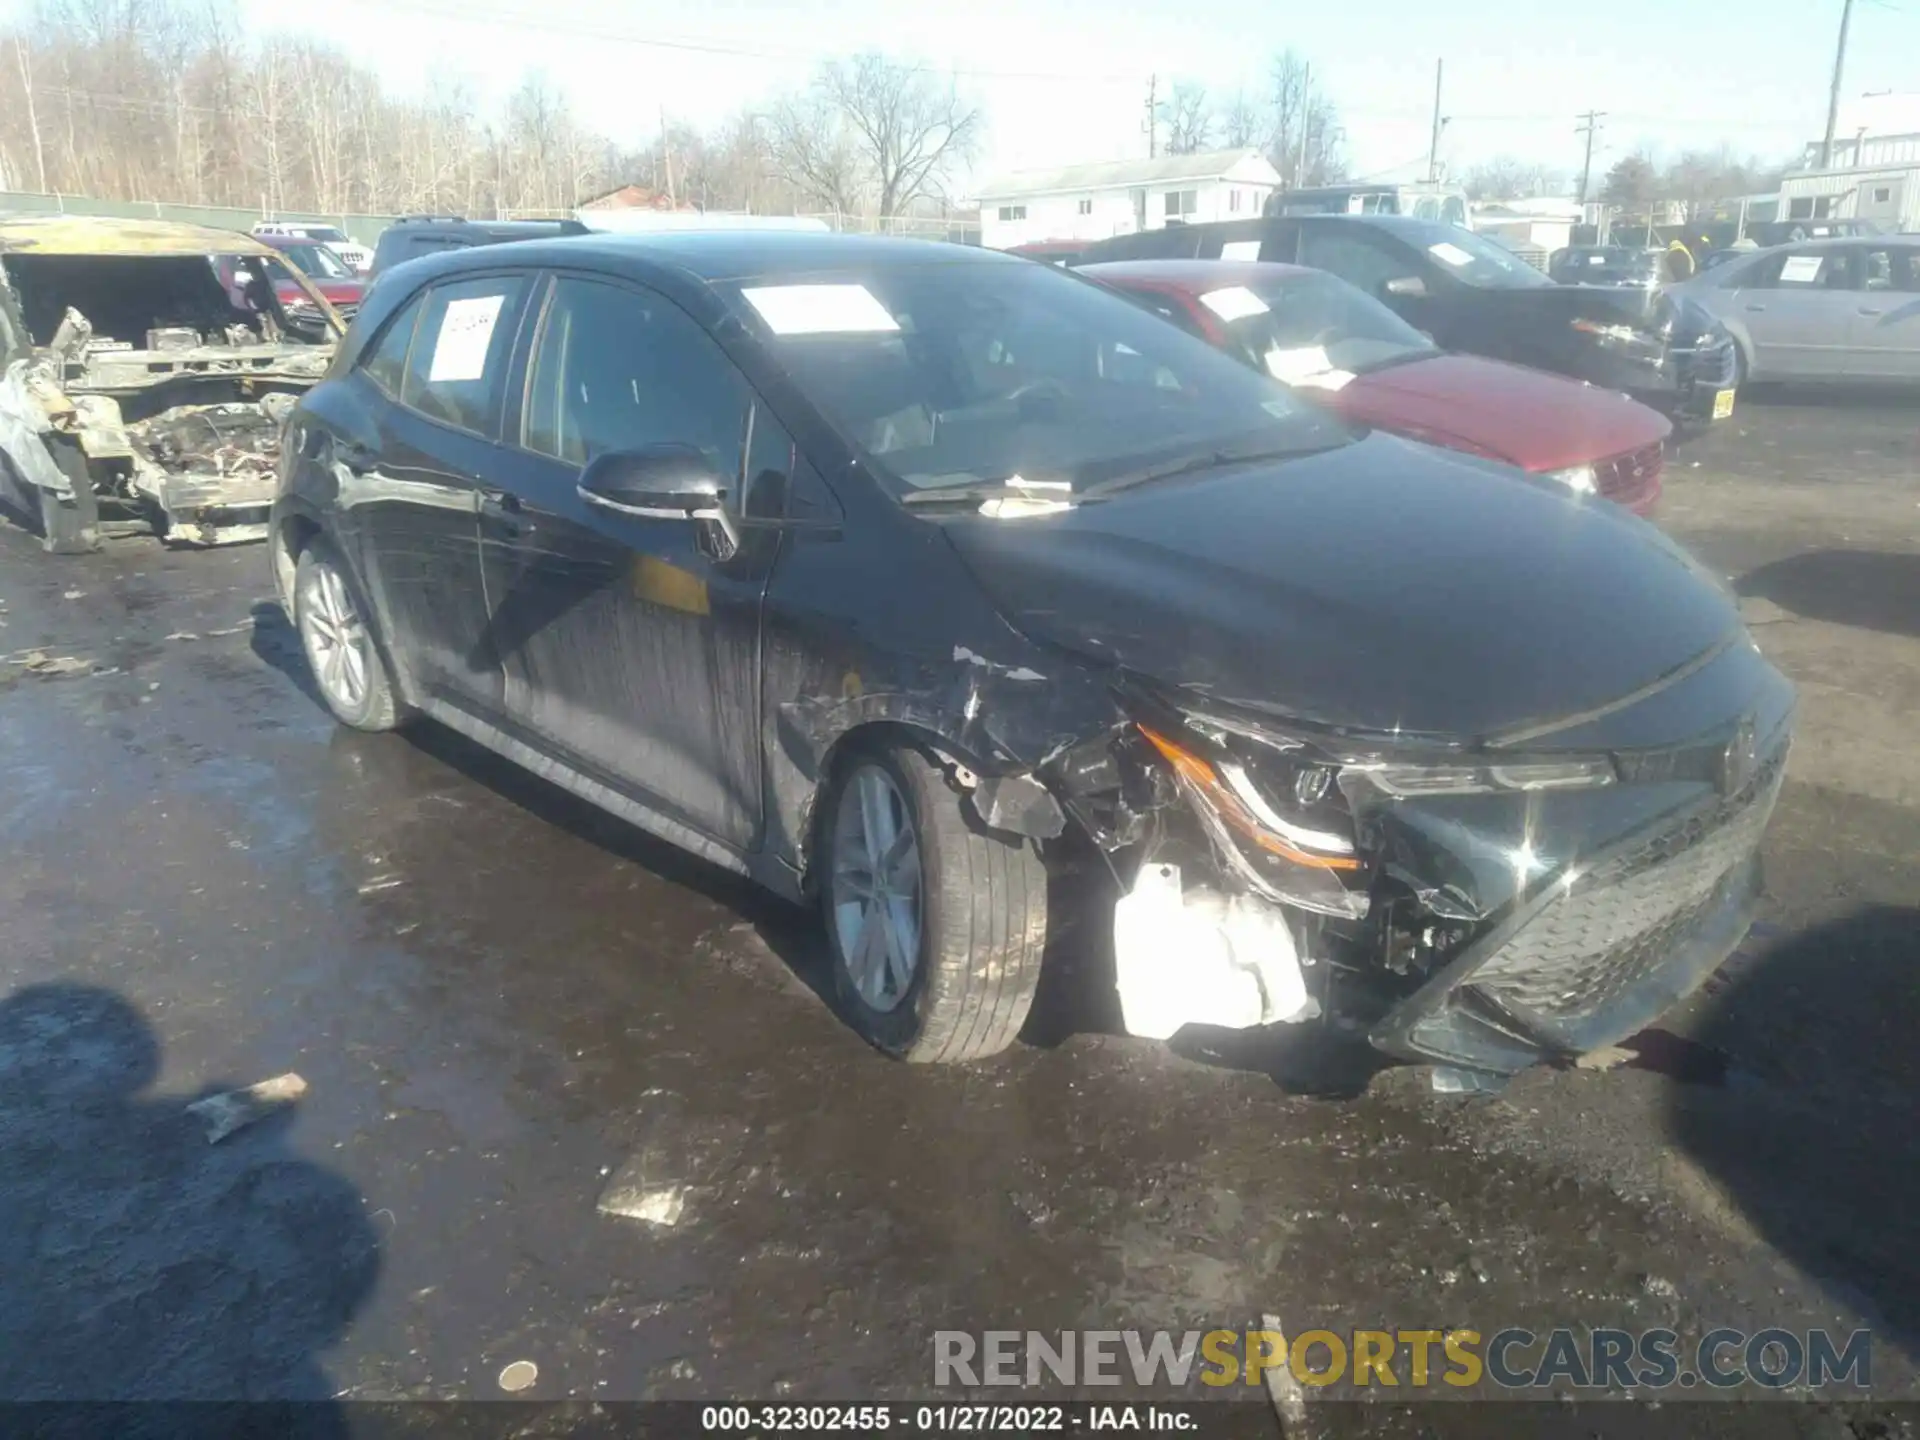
[330,275]
[1331,342]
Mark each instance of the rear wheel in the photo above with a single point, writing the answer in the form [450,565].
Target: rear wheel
[347,665]
[936,925]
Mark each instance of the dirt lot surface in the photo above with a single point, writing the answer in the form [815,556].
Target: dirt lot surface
[500,1000]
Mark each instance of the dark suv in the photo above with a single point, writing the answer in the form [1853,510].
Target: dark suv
[412,236]
[917,579]
[1479,298]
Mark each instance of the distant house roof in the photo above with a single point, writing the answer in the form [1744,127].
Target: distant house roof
[1245,165]
[633,197]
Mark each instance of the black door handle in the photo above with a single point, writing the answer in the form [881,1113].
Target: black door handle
[504,512]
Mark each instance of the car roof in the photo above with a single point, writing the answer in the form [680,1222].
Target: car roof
[1192,276]
[713,255]
[1834,242]
[99,235]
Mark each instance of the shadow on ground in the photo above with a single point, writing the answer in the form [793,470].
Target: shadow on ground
[1871,589]
[1811,1136]
[143,1263]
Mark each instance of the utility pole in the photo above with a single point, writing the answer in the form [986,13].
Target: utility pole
[1306,119]
[1833,96]
[666,149]
[1153,116]
[1590,129]
[1433,145]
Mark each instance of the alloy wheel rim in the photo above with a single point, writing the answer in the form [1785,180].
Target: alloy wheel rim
[338,647]
[877,892]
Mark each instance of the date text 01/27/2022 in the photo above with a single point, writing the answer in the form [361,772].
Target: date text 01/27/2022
[910,1418]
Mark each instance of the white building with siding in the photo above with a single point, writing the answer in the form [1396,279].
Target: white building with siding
[1118,197]
[1873,173]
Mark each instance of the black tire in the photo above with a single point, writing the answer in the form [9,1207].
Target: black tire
[982,920]
[375,706]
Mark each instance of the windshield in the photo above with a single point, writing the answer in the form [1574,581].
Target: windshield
[318,261]
[1313,328]
[1472,259]
[971,373]
[326,234]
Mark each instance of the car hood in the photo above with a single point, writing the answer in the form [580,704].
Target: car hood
[1384,586]
[1527,417]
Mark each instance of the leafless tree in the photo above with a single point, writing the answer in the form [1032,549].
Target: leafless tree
[812,151]
[1187,119]
[1242,125]
[909,128]
[170,100]
[1506,178]
[1305,141]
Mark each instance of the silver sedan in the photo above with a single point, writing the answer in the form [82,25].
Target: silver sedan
[1826,310]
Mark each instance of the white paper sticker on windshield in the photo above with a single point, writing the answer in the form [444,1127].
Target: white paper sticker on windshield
[821,310]
[1235,302]
[1326,380]
[466,330]
[1801,269]
[1297,363]
[1451,253]
[1240,250]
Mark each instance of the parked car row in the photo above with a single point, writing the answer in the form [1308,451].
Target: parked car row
[1346,351]
[1478,298]
[915,581]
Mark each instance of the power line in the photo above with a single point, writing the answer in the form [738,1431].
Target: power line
[482,15]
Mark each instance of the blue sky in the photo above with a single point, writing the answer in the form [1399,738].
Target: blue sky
[1065,80]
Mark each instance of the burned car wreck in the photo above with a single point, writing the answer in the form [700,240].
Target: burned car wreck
[147,369]
[911,580]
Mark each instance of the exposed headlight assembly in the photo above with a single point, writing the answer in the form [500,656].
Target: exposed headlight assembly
[1619,336]
[1579,773]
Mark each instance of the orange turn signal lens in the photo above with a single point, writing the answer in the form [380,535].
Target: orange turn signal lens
[1199,772]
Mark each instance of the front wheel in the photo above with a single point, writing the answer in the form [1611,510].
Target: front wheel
[936,924]
[347,665]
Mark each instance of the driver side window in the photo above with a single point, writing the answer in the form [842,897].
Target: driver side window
[617,369]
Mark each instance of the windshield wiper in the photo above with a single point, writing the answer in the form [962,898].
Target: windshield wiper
[1218,457]
[972,497]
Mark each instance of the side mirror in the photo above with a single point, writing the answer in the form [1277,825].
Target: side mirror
[1409,285]
[659,482]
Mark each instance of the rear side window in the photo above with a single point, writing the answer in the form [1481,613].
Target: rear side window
[386,362]
[458,366]
[616,369]
[1354,257]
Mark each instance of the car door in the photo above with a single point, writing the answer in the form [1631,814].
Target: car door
[409,490]
[630,645]
[1797,308]
[1885,339]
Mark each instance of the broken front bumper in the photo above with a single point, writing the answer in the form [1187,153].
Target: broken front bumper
[1600,948]
[1492,931]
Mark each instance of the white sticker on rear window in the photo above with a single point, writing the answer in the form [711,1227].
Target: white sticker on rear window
[1451,253]
[821,310]
[1240,250]
[1801,269]
[466,330]
[1235,302]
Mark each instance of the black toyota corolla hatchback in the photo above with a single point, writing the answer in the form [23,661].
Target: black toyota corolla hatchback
[905,578]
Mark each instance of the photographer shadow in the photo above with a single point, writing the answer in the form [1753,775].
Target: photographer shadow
[144,1264]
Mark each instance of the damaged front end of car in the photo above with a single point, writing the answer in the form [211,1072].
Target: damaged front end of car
[1480,907]
[146,392]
